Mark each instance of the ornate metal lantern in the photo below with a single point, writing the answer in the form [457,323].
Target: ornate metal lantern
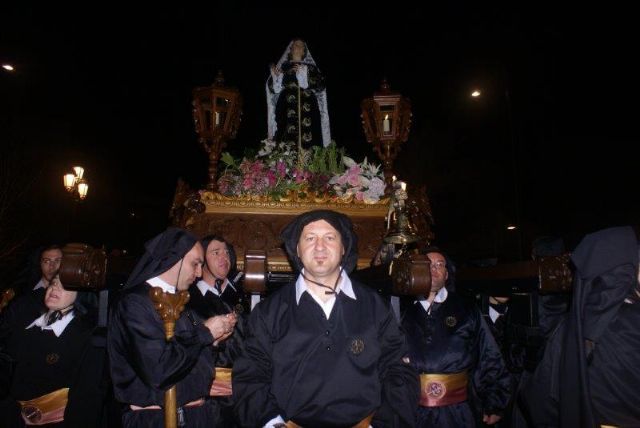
[386,118]
[216,115]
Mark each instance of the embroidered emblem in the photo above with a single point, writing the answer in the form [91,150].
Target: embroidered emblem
[32,414]
[238,309]
[357,346]
[451,321]
[52,358]
[435,389]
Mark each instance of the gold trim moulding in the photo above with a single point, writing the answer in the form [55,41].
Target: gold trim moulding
[216,203]
[281,264]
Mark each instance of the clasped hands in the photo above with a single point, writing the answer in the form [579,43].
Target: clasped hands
[221,326]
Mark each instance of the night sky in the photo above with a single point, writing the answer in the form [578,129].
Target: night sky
[551,143]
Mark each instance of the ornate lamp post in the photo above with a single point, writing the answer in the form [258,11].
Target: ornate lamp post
[216,115]
[386,118]
[75,183]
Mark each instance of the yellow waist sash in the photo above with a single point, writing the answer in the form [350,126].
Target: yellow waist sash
[443,389]
[46,409]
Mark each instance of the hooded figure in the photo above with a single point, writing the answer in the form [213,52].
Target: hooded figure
[589,374]
[297,111]
[143,363]
[317,344]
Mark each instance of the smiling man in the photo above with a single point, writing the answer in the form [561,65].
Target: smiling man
[325,351]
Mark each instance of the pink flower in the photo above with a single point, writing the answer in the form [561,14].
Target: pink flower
[353,175]
[271,178]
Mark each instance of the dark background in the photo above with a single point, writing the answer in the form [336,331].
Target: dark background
[550,145]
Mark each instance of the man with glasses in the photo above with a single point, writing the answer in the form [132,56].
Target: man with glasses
[460,365]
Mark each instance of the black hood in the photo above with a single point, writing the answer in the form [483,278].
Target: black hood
[291,235]
[161,253]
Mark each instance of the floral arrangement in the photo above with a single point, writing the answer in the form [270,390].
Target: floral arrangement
[277,170]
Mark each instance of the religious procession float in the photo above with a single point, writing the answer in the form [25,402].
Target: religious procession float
[298,168]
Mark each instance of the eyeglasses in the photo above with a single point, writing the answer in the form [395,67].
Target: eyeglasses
[220,252]
[438,265]
[51,261]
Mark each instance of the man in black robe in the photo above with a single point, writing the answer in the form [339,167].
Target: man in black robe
[218,294]
[325,351]
[143,363]
[456,355]
[217,280]
[589,374]
[57,369]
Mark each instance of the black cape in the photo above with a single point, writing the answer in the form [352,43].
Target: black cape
[589,372]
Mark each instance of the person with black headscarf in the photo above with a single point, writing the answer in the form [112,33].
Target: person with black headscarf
[56,370]
[457,357]
[325,351]
[143,363]
[589,374]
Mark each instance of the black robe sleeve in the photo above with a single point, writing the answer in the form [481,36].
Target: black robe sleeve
[144,363]
[252,374]
[400,382]
[491,380]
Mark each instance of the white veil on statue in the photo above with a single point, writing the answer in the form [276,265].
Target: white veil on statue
[321,97]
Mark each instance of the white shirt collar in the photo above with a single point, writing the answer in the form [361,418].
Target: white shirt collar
[344,286]
[40,284]
[493,314]
[57,327]
[204,286]
[441,296]
[157,282]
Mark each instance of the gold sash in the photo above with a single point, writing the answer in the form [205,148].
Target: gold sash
[221,386]
[46,409]
[442,389]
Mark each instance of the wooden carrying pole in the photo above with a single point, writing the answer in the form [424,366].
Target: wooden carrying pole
[169,307]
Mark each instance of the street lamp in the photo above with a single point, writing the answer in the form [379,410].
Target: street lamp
[75,183]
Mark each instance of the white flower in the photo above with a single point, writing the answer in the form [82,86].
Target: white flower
[348,161]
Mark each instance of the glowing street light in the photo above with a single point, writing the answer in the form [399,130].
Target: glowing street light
[8,67]
[476,93]
[76,182]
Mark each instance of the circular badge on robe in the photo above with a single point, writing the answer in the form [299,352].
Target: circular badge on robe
[52,358]
[435,389]
[357,346]
[451,321]
[32,414]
